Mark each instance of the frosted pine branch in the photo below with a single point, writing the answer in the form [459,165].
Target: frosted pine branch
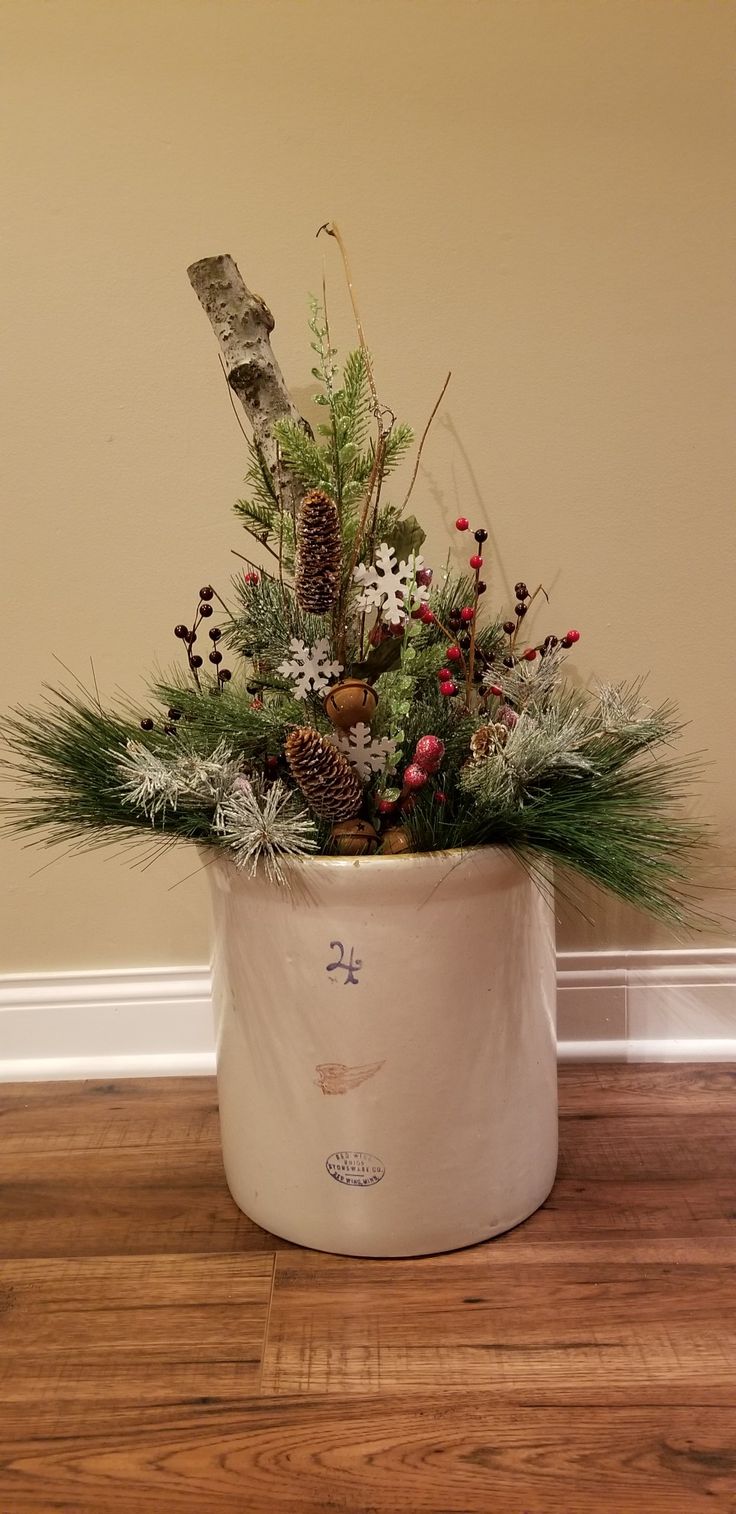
[265,828]
[153,784]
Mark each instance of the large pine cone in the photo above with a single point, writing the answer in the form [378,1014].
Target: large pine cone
[318,553]
[327,780]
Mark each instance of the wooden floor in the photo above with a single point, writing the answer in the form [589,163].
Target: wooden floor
[159,1353]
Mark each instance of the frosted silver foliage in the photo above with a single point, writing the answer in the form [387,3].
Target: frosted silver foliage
[534,749]
[265,826]
[529,685]
[153,783]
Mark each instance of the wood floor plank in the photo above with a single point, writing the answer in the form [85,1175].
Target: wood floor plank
[621,1090]
[127,1200]
[630,1206]
[653,1148]
[468,1455]
[90,1115]
[122,1330]
[619,1330]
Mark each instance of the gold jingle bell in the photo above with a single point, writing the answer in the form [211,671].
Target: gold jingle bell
[354,838]
[396,840]
[349,702]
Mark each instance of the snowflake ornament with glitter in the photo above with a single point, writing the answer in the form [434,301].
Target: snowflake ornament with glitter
[310,669]
[391,587]
[368,754]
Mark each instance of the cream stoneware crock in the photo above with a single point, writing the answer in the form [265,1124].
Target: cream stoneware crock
[386,1048]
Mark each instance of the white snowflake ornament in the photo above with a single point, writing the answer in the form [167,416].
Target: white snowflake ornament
[310,669]
[368,754]
[391,587]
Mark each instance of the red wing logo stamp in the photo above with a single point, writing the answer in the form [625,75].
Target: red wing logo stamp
[335,1077]
[358,1169]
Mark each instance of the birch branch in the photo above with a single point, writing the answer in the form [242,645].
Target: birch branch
[242,323]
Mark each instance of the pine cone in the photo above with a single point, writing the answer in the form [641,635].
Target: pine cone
[318,553]
[327,780]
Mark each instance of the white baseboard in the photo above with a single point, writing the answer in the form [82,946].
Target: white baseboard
[111,1024]
[612,1006]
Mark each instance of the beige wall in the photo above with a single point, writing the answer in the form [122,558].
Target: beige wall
[536,193]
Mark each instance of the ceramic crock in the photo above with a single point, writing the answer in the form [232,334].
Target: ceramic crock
[386,1048]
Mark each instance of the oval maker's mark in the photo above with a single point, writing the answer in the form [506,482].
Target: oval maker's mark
[358,1169]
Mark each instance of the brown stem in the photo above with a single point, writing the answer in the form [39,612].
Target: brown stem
[332,230]
[194,671]
[424,436]
[254,566]
[261,542]
[238,417]
[471,659]
[340,629]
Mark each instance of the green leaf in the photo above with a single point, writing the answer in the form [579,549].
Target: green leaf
[380,659]
[407,537]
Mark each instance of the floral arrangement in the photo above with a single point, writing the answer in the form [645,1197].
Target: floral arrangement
[367,700]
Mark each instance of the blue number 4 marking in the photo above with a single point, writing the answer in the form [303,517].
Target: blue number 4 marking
[351,968]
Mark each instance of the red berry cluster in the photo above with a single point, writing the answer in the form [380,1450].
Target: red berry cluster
[512,628]
[426,762]
[463,524]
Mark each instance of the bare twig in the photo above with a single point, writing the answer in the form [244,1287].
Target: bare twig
[424,436]
[238,417]
[332,230]
[540,589]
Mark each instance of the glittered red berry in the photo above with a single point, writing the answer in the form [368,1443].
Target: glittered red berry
[462,523]
[426,615]
[386,806]
[414,776]
[252,579]
[530,654]
[440,796]
[476,562]
[444,674]
[429,752]
[496,689]
[448,688]
[467,613]
[453,654]
[572,636]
